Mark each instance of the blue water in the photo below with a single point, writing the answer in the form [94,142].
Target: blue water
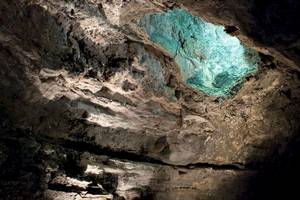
[210,60]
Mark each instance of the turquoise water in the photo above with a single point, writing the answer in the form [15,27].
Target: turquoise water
[210,60]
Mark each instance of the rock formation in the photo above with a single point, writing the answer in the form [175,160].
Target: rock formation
[92,108]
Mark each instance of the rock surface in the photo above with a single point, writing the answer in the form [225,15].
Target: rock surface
[90,108]
[269,25]
[209,59]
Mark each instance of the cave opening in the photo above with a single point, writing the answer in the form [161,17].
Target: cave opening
[210,60]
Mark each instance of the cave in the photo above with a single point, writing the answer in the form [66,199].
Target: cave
[149,100]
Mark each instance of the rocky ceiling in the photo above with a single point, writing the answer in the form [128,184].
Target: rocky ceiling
[91,108]
[209,59]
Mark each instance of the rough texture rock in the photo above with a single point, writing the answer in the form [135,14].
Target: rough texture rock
[90,108]
[270,25]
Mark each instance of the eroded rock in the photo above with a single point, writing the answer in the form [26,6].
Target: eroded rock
[72,127]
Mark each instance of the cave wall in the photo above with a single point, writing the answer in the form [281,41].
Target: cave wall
[91,108]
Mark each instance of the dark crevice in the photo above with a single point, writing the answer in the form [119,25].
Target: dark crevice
[123,155]
[64,188]
[232,30]
[229,166]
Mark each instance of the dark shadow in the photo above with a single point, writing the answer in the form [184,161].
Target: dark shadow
[275,24]
[275,21]
[21,167]
[278,179]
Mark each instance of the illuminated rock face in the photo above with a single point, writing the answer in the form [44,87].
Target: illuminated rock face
[210,59]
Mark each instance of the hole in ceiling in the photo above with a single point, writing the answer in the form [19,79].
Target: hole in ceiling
[210,59]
